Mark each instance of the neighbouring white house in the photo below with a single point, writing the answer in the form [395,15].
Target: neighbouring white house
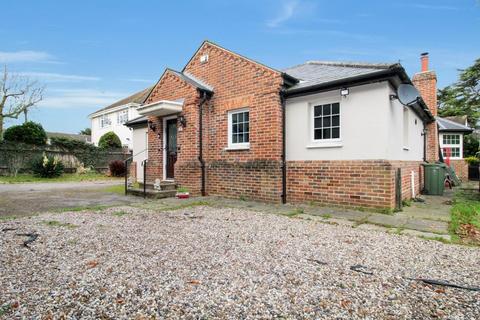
[114,116]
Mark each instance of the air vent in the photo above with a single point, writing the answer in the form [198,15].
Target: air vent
[204,58]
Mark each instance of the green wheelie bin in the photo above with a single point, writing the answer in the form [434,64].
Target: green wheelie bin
[434,175]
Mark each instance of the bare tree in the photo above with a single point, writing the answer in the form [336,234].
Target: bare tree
[18,95]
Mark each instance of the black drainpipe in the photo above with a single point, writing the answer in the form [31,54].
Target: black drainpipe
[205,97]
[424,133]
[284,157]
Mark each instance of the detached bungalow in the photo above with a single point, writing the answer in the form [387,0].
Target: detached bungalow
[328,132]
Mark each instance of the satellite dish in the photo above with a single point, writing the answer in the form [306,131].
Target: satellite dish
[407,94]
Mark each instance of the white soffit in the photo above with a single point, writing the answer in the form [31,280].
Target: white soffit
[160,108]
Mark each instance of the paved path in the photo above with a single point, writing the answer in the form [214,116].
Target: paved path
[30,198]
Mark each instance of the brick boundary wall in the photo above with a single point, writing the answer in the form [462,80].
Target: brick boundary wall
[132,170]
[461,168]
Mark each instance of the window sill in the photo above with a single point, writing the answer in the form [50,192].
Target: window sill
[332,144]
[237,148]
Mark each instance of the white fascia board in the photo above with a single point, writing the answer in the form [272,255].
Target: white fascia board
[111,110]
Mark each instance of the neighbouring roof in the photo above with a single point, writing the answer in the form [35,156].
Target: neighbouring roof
[445,125]
[138,97]
[137,121]
[458,119]
[73,136]
[314,73]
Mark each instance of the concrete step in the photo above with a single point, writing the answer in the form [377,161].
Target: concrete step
[164,185]
[154,194]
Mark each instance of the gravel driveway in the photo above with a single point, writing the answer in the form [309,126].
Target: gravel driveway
[128,263]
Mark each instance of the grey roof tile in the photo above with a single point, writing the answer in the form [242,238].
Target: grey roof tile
[449,125]
[318,72]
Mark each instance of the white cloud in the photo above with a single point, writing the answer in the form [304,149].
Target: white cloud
[25,56]
[431,6]
[139,80]
[288,10]
[80,98]
[57,77]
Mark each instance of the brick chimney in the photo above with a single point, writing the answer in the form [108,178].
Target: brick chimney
[426,83]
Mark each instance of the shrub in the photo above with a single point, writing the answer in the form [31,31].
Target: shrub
[47,167]
[117,168]
[109,140]
[473,161]
[29,132]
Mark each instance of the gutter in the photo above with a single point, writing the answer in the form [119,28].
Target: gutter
[205,96]
[284,151]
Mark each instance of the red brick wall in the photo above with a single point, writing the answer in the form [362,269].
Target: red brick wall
[406,169]
[356,183]
[187,168]
[461,168]
[426,83]
[132,171]
[240,83]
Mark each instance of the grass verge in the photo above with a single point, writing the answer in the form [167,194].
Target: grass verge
[67,177]
[465,216]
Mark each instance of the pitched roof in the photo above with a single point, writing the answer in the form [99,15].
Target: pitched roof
[457,119]
[138,97]
[137,121]
[445,125]
[314,73]
[187,77]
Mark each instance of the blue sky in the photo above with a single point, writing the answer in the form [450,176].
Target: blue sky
[91,53]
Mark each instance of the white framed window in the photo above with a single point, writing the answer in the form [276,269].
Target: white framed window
[406,128]
[239,129]
[452,145]
[122,116]
[326,122]
[105,121]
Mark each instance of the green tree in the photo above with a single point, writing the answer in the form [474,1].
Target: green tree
[86,131]
[470,146]
[462,97]
[109,140]
[29,132]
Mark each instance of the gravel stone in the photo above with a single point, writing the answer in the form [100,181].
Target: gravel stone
[130,263]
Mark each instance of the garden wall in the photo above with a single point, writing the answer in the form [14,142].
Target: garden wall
[19,156]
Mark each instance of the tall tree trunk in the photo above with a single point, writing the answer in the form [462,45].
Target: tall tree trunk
[26,116]
[1,127]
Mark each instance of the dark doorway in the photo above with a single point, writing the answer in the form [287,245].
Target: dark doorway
[171,147]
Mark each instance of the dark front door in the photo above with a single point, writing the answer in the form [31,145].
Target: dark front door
[171,147]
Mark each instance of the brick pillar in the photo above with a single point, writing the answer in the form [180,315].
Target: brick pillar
[426,83]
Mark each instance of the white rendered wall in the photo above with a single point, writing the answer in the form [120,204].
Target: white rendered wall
[123,132]
[140,152]
[371,127]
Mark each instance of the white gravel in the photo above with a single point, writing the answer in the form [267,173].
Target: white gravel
[225,263]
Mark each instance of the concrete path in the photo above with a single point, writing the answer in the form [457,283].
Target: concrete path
[27,199]
[425,219]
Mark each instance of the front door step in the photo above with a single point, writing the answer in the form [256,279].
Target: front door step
[164,185]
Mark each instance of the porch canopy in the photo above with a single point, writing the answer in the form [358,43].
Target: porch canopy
[160,108]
